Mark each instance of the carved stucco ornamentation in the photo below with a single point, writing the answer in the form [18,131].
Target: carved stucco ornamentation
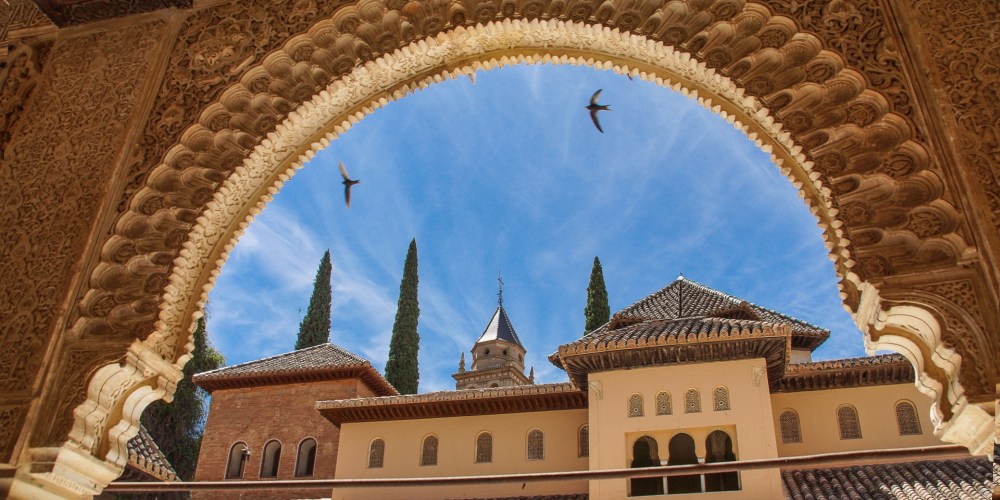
[913,330]
[19,75]
[55,170]
[964,48]
[214,152]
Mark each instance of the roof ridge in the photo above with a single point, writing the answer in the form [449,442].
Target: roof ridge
[738,299]
[281,355]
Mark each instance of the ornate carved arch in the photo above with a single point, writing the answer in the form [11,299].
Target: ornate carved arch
[266,101]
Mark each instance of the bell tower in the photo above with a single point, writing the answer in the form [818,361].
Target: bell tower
[497,357]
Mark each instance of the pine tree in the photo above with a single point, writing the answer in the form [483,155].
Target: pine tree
[401,370]
[177,427]
[315,327]
[597,311]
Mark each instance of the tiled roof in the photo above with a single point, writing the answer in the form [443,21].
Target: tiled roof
[669,331]
[145,456]
[500,328]
[967,478]
[676,341]
[686,298]
[494,400]
[850,372]
[315,362]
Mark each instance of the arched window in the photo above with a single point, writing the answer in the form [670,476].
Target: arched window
[238,456]
[635,406]
[682,453]
[664,406]
[906,418]
[269,459]
[376,454]
[429,451]
[720,398]
[305,460]
[583,442]
[536,445]
[644,454]
[484,448]
[719,448]
[791,432]
[849,423]
[692,401]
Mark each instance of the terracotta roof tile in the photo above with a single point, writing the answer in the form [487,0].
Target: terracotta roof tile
[462,395]
[317,361]
[668,331]
[320,356]
[851,372]
[686,298]
[966,478]
[145,456]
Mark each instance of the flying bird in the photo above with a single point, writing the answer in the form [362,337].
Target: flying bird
[594,108]
[348,182]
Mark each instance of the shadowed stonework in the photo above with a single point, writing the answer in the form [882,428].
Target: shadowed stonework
[122,137]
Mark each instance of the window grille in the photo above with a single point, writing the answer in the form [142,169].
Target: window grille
[376,454]
[429,451]
[847,420]
[721,398]
[635,405]
[536,445]
[906,418]
[583,442]
[484,448]
[791,432]
[663,404]
[692,401]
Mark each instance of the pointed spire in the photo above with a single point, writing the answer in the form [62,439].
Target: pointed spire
[500,291]
[461,364]
[531,375]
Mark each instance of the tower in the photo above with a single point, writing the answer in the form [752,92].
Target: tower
[497,357]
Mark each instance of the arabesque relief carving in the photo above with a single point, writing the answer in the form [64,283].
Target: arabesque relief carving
[965,49]
[252,88]
[55,171]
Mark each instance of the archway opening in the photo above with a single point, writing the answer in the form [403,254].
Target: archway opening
[719,448]
[644,454]
[682,452]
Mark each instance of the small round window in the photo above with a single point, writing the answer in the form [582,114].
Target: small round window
[486,352]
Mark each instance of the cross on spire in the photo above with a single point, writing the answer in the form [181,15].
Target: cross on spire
[500,291]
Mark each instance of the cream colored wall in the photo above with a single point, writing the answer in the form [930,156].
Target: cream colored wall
[456,453]
[876,412]
[748,422]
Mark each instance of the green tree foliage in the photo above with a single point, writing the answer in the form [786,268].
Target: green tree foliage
[315,327]
[177,427]
[597,311]
[401,370]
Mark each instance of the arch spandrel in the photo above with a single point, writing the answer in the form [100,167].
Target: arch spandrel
[838,120]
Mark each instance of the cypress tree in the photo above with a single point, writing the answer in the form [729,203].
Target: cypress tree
[177,427]
[315,327]
[597,311]
[401,370]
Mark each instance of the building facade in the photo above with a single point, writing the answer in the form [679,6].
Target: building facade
[262,423]
[687,375]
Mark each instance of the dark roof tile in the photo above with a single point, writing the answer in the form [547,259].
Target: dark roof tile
[685,298]
[145,456]
[966,478]
[500,328]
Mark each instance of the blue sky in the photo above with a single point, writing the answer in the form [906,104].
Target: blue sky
[508,174]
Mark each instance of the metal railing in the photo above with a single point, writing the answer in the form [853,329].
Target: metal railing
[800,462]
